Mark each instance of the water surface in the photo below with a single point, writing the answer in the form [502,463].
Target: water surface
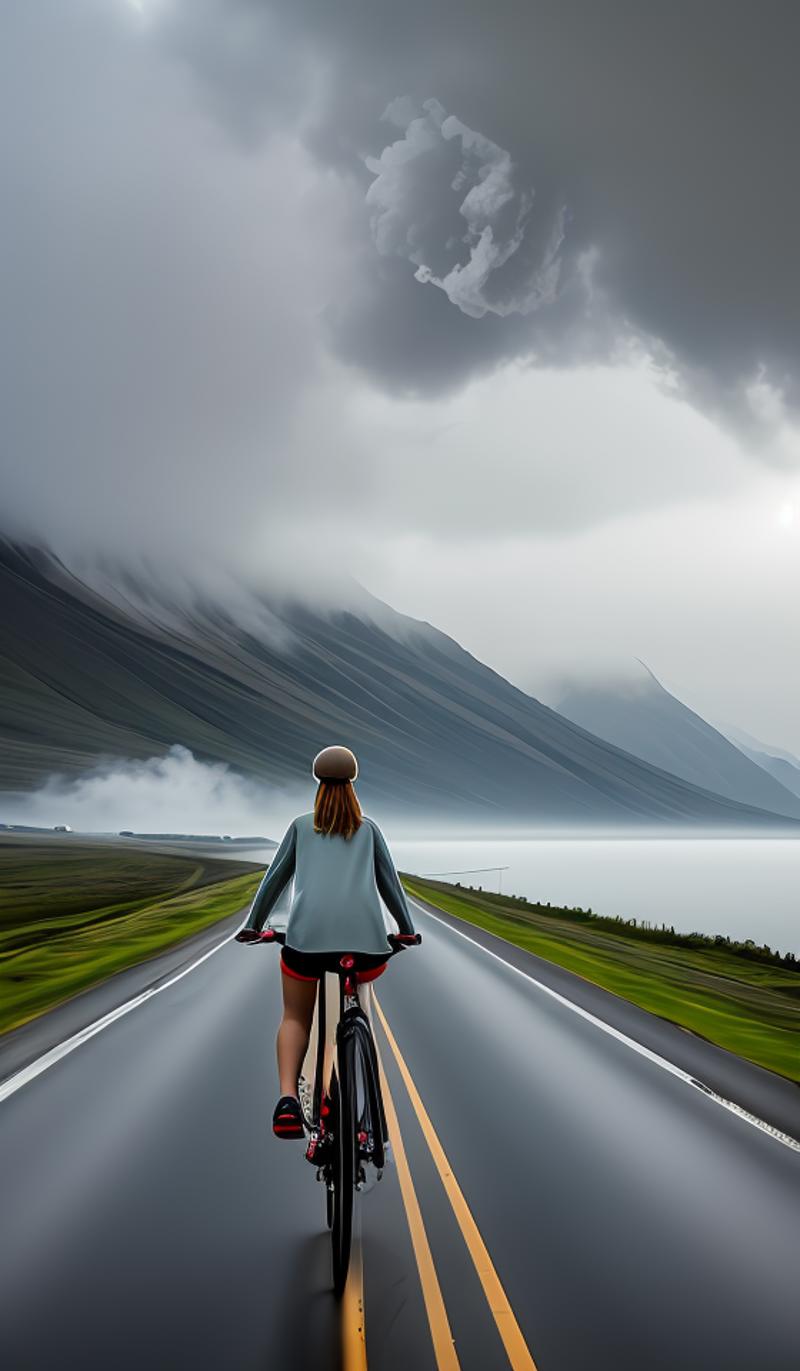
[746,888]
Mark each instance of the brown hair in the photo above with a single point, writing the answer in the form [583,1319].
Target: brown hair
[336,809]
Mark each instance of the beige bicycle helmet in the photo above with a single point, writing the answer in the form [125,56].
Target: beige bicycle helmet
[335,764]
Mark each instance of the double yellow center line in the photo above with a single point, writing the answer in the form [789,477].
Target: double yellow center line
[354,1338]
[519,1358]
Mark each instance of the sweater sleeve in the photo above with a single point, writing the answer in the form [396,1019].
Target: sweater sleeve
[278,876]
[388,882]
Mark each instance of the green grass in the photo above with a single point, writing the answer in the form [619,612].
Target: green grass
[74,913]
[750,1007]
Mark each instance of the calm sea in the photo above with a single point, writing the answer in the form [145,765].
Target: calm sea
[746,888]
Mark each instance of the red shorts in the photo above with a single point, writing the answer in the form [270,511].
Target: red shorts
[309,966]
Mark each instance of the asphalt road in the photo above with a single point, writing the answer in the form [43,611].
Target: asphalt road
[627,1219]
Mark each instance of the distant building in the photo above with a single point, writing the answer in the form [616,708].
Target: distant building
[61,828]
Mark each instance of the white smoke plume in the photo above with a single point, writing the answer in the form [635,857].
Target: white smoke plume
[175,793]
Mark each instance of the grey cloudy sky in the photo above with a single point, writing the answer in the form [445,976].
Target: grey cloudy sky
[495,304]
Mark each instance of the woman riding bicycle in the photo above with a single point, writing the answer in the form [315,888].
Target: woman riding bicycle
[341,866]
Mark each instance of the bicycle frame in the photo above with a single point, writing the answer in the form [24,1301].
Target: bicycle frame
[348,1127]
[353,1037]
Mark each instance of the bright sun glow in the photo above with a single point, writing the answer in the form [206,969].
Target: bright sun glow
[787,517]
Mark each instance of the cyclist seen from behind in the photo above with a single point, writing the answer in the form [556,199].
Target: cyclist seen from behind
[341,868]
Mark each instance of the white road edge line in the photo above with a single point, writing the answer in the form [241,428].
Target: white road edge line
[55,1054]
[643,1051]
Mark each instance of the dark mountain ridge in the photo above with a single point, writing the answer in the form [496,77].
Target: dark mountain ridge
[262,681]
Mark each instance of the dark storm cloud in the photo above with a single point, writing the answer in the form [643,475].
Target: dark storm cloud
[668,131]
[197,204]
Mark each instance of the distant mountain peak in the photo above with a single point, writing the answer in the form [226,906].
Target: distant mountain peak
[640,715]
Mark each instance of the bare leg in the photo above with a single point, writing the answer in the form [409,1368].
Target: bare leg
[329,1028]
[299,998]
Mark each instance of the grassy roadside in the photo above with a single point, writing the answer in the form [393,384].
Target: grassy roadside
[70,919]
[750,1007]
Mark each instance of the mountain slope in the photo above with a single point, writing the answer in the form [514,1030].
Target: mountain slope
[126,669]
[645,719]
[787,773]
[783,765]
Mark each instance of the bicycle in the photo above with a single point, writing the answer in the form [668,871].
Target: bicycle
[347,1126]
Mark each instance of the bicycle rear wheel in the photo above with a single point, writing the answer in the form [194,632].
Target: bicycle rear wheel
[371,1118]
[343,1099]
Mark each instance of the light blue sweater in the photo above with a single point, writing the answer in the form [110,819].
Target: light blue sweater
[335,904]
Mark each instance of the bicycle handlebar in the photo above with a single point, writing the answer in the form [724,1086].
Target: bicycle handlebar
[398,941]
[255,935]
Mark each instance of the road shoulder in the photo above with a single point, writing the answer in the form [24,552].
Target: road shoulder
[763,1093]
[21,1046]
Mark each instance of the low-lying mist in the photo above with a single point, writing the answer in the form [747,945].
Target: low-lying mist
[175,793]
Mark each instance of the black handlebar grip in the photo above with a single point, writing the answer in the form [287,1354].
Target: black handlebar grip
[259,935]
